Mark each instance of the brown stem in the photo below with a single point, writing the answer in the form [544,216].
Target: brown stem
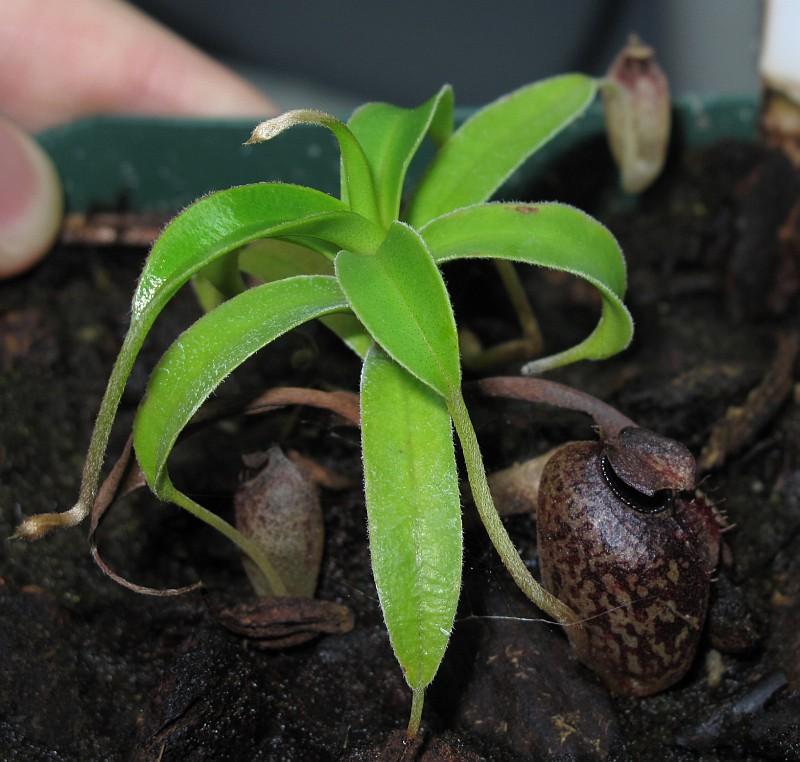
[608,418]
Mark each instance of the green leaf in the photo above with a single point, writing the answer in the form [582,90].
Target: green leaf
[549,235]
[411,487]
[399,296]
[199,360]
[224,221]
[203,355]
[358,187]
[390,136]
[207,230]
[490,145]
[218,281]
[271,260]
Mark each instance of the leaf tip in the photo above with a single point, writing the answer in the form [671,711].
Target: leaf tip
[271,128]
[38,526]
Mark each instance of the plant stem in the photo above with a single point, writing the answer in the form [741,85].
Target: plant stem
[480,359]
[479,485]
[417,701]
[521,304]
[35,527]
[529,345]
[246,545]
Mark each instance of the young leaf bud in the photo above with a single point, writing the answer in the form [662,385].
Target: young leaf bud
[637,111]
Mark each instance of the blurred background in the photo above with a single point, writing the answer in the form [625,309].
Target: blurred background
[336,55]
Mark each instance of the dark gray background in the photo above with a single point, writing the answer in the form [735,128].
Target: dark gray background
[403,51]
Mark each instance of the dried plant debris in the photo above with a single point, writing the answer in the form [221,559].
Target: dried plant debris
[279,509]
[273,623]
[20,330]
[780,124]
[344,404]
[125,477]
[787,281]
[764,203]
[715,729]
[321,475]
[742,422]
[112,229]
[516,489]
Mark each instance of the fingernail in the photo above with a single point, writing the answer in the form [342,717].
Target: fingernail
[31,201]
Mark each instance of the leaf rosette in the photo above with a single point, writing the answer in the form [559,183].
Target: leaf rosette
[368,266]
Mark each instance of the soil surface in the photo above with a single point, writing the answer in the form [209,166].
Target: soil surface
[92,671]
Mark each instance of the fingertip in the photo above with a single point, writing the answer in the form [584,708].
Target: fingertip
[31,201]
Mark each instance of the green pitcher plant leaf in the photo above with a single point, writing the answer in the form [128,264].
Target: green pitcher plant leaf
[549,235]
[414,513]
[211,348]
[205,231]
[218,281]
[358,186]
[200,359]
[493,142]
[391,136]
[273,259]
[270,260]
[226,220]
[399,296]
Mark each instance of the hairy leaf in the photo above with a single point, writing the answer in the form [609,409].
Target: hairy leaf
[390,136]
[203,355]
[413,510]
[196,364]
[358,187]
[492,143]
[218,281]
[271,260]
[399,296]
[549,235]
[207,230]
[224,221]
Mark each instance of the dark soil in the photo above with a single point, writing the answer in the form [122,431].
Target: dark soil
[91,671]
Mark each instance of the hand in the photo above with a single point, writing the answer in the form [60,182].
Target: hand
[62,60]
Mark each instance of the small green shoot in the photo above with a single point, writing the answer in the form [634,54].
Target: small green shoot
[371,273]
